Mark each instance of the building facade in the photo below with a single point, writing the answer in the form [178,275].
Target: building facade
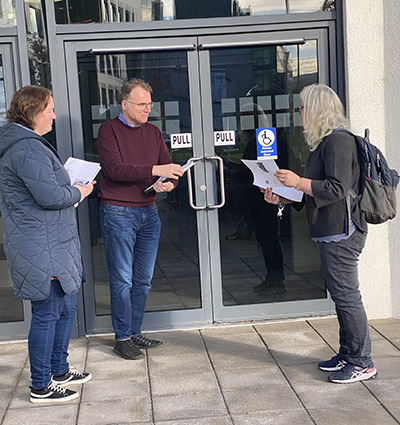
[221,72]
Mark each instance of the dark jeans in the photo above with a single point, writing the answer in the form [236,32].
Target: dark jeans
[49,335]
[339,262]
[131,237]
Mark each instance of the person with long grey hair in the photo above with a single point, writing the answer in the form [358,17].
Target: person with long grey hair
[333,169]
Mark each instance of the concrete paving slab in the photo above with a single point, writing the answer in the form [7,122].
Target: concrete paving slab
[227,330]
[233,342]
[241,360]
[244,379]
[63,414]
[301,355]
[127,411]
[117,368]
[179,363]
[385,390]
[384,348]
[291,338]
[387,368]
[183,383]
[220,420]
[306,374]
[189,406]
[285,326]
[332,395]
[274,417]
[345,415]
[278,397]
[394,409]
[115,389]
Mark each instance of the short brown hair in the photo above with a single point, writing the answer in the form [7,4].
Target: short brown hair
[27,103]
[129,85]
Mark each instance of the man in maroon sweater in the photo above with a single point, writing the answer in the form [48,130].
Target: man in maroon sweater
[133,156]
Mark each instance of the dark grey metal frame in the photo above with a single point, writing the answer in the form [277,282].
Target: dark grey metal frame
[65,40]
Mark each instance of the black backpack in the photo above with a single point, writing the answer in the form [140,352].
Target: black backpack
[377,196]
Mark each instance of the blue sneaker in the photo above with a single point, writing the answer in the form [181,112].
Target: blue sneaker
[332,365]
[352,373]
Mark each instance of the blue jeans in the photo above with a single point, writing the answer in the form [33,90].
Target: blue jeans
[339,262]
[49,335]
[131,237]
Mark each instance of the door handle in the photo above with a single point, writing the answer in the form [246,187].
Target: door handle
[190,188]
[203,188]
[221,181]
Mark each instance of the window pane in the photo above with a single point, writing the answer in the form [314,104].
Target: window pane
[255,88]
[176,282]
[90,11]
[304,6]
[7,13]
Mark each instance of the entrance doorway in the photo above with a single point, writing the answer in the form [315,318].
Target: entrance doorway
[219,239]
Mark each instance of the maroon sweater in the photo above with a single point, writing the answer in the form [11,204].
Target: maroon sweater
[127,156]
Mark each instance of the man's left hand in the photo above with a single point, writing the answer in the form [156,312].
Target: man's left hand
[161,186]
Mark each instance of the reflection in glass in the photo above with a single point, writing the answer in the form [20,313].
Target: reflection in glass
[95,11]
[3,108]
[8,17]
[255,88]
[176,282]
[37,44]
[11,308]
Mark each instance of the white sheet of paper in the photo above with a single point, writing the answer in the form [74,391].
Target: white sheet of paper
[263,174]
[81,172]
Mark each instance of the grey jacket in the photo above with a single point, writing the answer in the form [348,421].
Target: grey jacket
[40,233]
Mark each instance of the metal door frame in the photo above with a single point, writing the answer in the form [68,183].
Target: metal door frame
[8,50]
[212,310]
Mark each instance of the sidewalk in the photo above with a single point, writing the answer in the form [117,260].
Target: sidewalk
[243,375]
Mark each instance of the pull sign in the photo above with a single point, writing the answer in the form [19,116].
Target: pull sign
[181,140]
[224,138]
[266,143]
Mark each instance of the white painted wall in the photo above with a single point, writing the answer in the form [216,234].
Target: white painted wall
[372,40]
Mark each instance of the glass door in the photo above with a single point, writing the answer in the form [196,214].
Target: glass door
[211,256]
[14,313]
[268,266]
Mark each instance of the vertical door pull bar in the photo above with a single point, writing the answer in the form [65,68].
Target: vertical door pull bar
[190,187]
[221,181]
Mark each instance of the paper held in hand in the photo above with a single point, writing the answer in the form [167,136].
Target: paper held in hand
[81,172]
[263,173]
[185,167]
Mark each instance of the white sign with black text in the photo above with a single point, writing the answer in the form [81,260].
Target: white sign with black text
[181,140]
[224,138]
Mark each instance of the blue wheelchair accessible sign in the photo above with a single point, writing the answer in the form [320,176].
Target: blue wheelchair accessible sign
[266,143]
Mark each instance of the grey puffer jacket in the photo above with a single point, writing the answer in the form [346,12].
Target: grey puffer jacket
[40,233]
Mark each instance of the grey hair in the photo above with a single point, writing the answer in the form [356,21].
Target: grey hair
[323,112]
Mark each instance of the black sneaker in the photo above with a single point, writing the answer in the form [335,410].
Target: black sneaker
[143,342]
[128,350]
[73,376]
[53,393]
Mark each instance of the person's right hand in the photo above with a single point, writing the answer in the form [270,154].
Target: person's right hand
[270,197]
[169,171]
[85,190]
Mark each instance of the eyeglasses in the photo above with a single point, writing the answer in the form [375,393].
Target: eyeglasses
[301,109]
[142,105]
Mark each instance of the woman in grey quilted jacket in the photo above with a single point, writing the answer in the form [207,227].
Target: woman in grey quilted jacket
[41,239]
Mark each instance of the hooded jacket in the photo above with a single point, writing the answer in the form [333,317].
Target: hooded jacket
[40,233]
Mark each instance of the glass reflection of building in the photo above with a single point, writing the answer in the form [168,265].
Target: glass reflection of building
[113,11]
